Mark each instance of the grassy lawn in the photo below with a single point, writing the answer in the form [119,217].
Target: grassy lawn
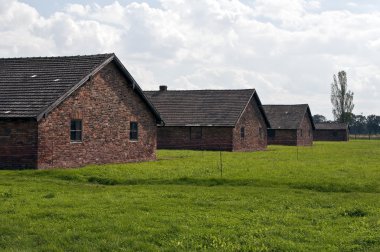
[320,198]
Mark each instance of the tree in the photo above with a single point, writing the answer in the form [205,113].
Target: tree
[319,118]
[350,118]
[373,124]
[341,98]
[358,125]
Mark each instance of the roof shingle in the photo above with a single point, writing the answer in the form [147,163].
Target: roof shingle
[331,126]
[287,116]
[30,87]
[201,107]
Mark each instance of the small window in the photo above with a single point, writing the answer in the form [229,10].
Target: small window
[5,132]
[261,132]
[76,131]
[271,133]
[133,131]
[335,133]
[195,132]
[242,132]
[301,132]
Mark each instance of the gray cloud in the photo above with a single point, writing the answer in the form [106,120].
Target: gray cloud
[287,50]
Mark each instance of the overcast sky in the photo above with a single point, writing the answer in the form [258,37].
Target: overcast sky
[287,49]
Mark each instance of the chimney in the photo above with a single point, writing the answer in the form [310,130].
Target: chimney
[163,88]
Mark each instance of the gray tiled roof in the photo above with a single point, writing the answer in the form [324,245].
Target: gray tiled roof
[30,87]
[202,107]
[287,116]
[331,126]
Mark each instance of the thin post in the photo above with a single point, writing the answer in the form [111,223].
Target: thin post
[221,161]
[203,158]
[52,153]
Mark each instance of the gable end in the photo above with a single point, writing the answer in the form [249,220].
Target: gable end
[88,77]
[256,99]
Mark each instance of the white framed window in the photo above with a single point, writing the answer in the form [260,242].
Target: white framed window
[76,130]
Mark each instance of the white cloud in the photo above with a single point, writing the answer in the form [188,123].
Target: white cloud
[287,50]
[78,9]
[352,4]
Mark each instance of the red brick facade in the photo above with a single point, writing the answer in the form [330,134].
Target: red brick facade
[282,137]
[305,133]
[255,130]
[106,105]
[218,138]
[18,143]
[303,136]
[211,138]
[331,135]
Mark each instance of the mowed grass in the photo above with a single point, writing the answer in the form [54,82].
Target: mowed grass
[320,198]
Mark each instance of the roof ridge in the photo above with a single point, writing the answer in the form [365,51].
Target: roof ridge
[196,90]
[210,107]
[64,56]
[331,123]
[302,104]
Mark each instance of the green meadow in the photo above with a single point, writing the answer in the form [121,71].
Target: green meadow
[320,198]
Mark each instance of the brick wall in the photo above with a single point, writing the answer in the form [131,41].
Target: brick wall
[283,137]
[331,135]
[106,106]
[255,130]
[305,132]
[218,138]
[18,144]
[213,138]
[303,136]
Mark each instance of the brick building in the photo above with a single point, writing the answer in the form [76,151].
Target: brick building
[331,131]
[290,124]
[73,111]
[231,120]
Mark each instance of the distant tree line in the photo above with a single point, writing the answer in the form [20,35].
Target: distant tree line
[359,124]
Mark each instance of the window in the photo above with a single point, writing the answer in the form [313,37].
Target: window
[271,133]
[133,131]
[301,132]
[242,132]
[261,132]
[5,132]
[335,133]
[76,131]
[195,132]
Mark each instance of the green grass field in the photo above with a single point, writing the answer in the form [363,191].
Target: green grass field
[320,198]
